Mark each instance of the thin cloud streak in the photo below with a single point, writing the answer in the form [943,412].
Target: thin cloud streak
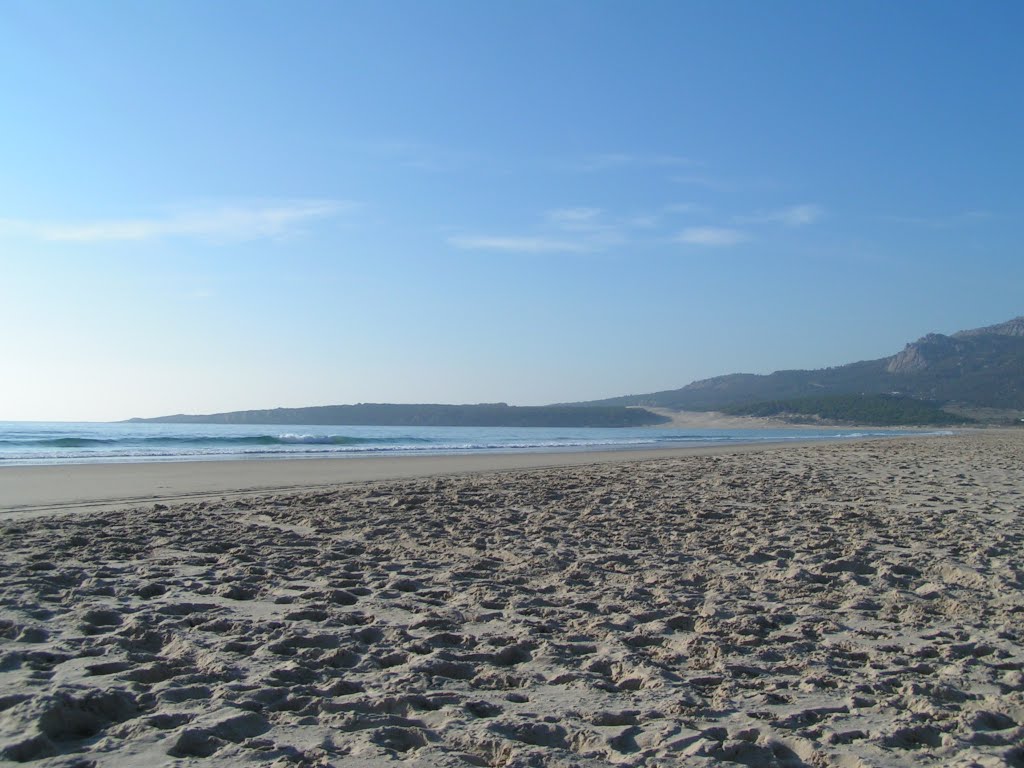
[793,216]
[517,244]
[579,229]
[590,224]
[711,236]
[238,222]
[571,229]
[579,218]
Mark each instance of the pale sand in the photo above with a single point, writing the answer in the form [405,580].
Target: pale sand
[853,604]
[716,420]
[33,490]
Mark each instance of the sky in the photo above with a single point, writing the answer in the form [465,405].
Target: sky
[235,205]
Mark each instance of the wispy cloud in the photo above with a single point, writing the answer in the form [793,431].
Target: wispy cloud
[793,216]
[574,229]
[517,244]
[711,236]
[592,225]
[579,218]
[230,222]
[587,229]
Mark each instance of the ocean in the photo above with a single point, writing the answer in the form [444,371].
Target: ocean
[25,443]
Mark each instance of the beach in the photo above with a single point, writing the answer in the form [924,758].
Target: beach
[35,490]
[830,604]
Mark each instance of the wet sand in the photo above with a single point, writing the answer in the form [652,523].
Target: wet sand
[855,604]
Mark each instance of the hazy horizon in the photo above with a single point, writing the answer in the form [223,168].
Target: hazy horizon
[219,207]
[368,402]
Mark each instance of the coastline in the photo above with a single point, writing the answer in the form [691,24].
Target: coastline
[55,444]
[45,489]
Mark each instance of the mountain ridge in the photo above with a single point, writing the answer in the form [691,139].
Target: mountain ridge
[974,368]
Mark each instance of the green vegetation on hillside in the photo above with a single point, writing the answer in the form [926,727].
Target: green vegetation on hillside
[873,410]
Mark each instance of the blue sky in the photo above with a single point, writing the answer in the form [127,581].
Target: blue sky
[218,206]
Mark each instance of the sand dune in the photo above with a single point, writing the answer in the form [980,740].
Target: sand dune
[831,605]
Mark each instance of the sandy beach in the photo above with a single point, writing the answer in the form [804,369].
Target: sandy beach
[34,490]
[854,604]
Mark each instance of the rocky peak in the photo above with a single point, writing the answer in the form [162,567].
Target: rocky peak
[917,355]
[1013,327]
[923,353]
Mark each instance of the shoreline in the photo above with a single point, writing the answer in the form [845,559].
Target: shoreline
[57,444]
[33,490]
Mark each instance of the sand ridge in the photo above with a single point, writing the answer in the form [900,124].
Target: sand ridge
[842,604]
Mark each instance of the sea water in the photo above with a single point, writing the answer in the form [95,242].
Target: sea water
[24,443]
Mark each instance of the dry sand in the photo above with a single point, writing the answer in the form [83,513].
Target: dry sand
[850,604]
[716,420]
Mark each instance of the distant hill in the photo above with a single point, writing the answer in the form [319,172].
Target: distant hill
[981,368]
[427,415]
[936,379]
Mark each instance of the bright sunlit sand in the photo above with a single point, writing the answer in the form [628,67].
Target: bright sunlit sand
[840,604]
